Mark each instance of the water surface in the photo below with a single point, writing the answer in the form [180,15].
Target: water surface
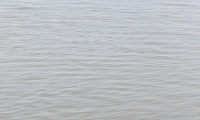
[99,60]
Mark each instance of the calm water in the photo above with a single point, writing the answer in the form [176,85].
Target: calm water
[99,60]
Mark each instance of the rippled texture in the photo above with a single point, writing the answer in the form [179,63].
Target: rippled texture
[99,60]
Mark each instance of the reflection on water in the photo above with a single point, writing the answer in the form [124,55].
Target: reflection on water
[99,60]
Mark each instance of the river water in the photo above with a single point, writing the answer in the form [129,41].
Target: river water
[99,60]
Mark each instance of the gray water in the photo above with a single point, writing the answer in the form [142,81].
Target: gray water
[99,60]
